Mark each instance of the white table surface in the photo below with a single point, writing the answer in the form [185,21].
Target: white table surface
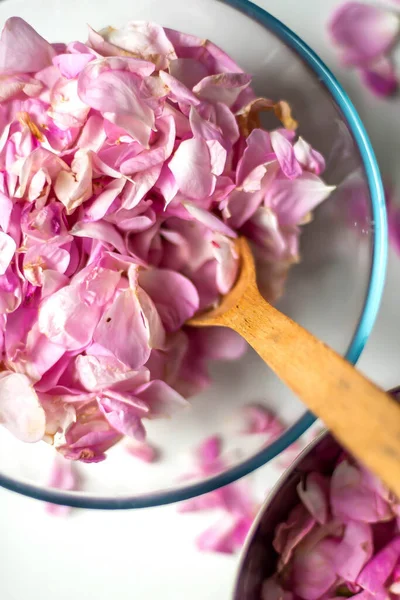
[150,553]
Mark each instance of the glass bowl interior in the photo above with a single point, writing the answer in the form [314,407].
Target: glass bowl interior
[335,290]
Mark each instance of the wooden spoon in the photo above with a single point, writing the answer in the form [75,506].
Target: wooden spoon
[360,415]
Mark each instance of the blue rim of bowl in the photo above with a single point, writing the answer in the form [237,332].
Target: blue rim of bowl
[364,327]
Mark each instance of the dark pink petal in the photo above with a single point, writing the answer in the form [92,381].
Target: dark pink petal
[380,77]
[22,49]
[376,572]
[163,401]
[20,410]
[175,297]
[313,491]
[191,168]
[363,32]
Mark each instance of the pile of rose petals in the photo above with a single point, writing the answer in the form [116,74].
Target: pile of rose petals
[341,540]
[129,165]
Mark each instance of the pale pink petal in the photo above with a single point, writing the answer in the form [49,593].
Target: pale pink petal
[224,88]
[313,491]
[256,418]
[41,257]
[7,250]
[308,157]
[20,410]
[143,39]
[123,417]
[145,452]
[174,296]
[62,477]
[227,259]
[292,200]
[219,537]
[96,285]
[191,168]
[218,156]
[70,65]
[22,49]
[285,155]
[66,320]
[162,400]
[102,372]
[102,231]
[74,187]
[115,328]
[363,32]
[178,91]
[103,201]
[209,220]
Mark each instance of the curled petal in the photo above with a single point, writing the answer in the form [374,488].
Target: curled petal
[140,39]
[224,87]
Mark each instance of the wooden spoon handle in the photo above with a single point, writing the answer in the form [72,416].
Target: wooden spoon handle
[361,416]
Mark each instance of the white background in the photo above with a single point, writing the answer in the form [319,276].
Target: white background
[150,553]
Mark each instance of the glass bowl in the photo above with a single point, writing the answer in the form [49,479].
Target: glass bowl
[335,291]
